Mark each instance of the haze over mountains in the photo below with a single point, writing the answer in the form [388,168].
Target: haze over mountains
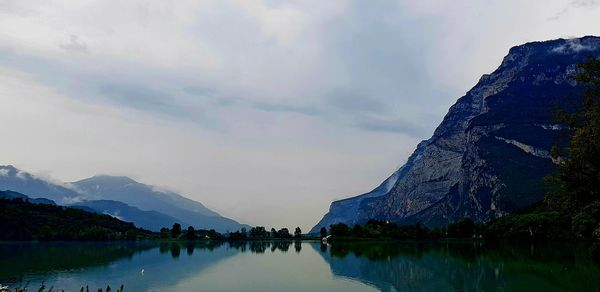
[122,197]
[490,153]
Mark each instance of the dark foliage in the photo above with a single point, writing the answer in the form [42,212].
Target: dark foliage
[190,233]
[259,232]
[21,220]
[176,230]
[282,233]
[375,229]
[323,232]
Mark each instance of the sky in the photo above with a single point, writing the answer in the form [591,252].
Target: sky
[264,111]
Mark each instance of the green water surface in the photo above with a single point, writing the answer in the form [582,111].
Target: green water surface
[300,266]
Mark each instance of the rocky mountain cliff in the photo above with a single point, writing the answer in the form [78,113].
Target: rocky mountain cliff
[488,156]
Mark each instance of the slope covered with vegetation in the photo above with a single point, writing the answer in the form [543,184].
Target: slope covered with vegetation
[23,220]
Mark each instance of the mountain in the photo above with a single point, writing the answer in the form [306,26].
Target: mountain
[14,179]
[14,195]
[150,220]
[488,156]
[129,191]
[154,206]
[149,198]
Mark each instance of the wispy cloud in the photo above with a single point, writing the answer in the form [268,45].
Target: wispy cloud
[74,45]
[575,4]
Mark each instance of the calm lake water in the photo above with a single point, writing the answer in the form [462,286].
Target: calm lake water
[296,266]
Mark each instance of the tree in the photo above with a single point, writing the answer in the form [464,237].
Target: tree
[339,229]
[284,233]
[462,229]
[297,232]
[190,233]
[176,230]
[323,232]
[258,232]
[165,232]
[274,233]
[130,235]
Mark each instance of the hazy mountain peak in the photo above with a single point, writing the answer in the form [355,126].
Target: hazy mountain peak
[12,178]
[110,179]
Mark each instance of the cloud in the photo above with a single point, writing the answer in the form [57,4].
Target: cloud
[392,126]
[22,175]
[575,4]
[355,102]
[571,45]
[71,200]
[274,107]
[138,96]
[75,45]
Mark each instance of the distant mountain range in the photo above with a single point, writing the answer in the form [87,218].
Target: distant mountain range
[490,153]
[122,197]
[14,195]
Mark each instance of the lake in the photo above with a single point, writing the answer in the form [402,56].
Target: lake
[299,266]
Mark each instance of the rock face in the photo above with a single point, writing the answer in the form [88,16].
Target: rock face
[488,156]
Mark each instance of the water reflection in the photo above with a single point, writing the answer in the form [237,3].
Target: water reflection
[385,266]
[261,246]
[471,266]
[71,265]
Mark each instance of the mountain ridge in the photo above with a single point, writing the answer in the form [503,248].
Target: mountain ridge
[124,190]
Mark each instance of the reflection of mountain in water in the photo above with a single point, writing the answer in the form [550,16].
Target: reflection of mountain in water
[119,262]
[462,266]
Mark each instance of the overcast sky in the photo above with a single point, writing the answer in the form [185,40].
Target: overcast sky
[265,111]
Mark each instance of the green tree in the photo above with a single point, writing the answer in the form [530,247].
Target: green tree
[258,232]
[323,232]
[462,229]
[274,233]
[284,233]
[165,233]
[297,232]
[190,234]
[339,229]
[176,230]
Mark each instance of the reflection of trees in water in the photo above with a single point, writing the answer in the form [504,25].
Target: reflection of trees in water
[174,247]
[283,246]
[92,263]
[323,247]
[298,246]
[261,246]
[472,265]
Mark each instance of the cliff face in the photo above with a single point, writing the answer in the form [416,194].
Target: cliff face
[490,153]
